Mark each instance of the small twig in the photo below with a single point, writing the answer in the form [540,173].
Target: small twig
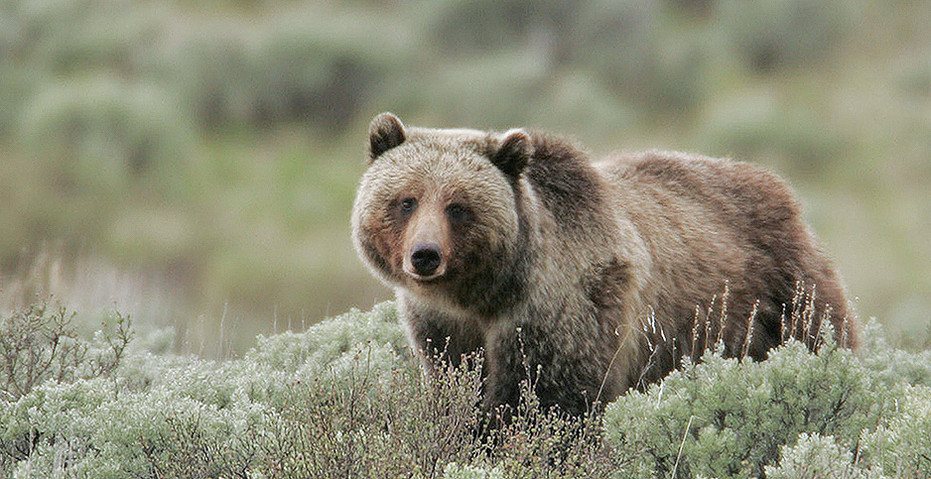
[682,445]
[708,320]
[843,332]
[722,319]
[694,352]
[749,336]
[782,326]
[222,325]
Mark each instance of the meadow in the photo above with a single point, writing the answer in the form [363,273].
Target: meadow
[195,162]
[179,296]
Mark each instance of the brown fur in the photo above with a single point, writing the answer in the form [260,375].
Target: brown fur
[594,278]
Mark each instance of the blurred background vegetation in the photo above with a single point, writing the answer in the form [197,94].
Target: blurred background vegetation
[194,163]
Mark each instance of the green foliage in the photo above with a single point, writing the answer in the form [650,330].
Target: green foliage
[49,375]
[329,401]
[220,142]
[359,421]
[902,443]
[346,399]
[764,127]
[726,418]
[39,344]
[770,35]
[75,36]
[308,65]
[890,366]
[326,342]
[455,471]
[818,457]
[99,136]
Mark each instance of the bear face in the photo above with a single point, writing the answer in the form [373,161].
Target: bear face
[437,208]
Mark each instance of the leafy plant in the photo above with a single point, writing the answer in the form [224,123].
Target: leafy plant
[818,457]
[346,398]
[901,445]
[727,418]
[41,358]
[39,343]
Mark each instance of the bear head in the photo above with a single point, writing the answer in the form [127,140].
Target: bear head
[437,208]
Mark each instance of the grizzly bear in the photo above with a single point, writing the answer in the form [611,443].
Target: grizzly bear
[590,278]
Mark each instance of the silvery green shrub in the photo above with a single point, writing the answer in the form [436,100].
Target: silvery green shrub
[456,471]
[901,444]
[818,457]
[346,398]
[728,418]
[102,134]
[173,416]
[773,35]
[890,366]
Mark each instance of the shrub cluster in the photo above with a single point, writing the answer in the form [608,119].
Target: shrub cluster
[146,69]
[725,418]
[345,399]
[157,134]
[39,344]
[797,414]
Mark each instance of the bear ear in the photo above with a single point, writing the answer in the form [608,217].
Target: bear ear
[514,151]
[385,132]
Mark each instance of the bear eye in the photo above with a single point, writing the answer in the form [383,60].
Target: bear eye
[408,205]
[458,212]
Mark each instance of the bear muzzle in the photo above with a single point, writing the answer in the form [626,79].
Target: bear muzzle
[425,262]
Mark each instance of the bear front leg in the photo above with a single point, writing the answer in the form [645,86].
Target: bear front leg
[505,367]
[560,373]
[439,338]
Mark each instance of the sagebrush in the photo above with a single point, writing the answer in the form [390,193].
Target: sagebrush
[345,399]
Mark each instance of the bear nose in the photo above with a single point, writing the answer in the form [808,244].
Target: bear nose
[426,259]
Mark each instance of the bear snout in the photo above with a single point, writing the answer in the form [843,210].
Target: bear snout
[426,260]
